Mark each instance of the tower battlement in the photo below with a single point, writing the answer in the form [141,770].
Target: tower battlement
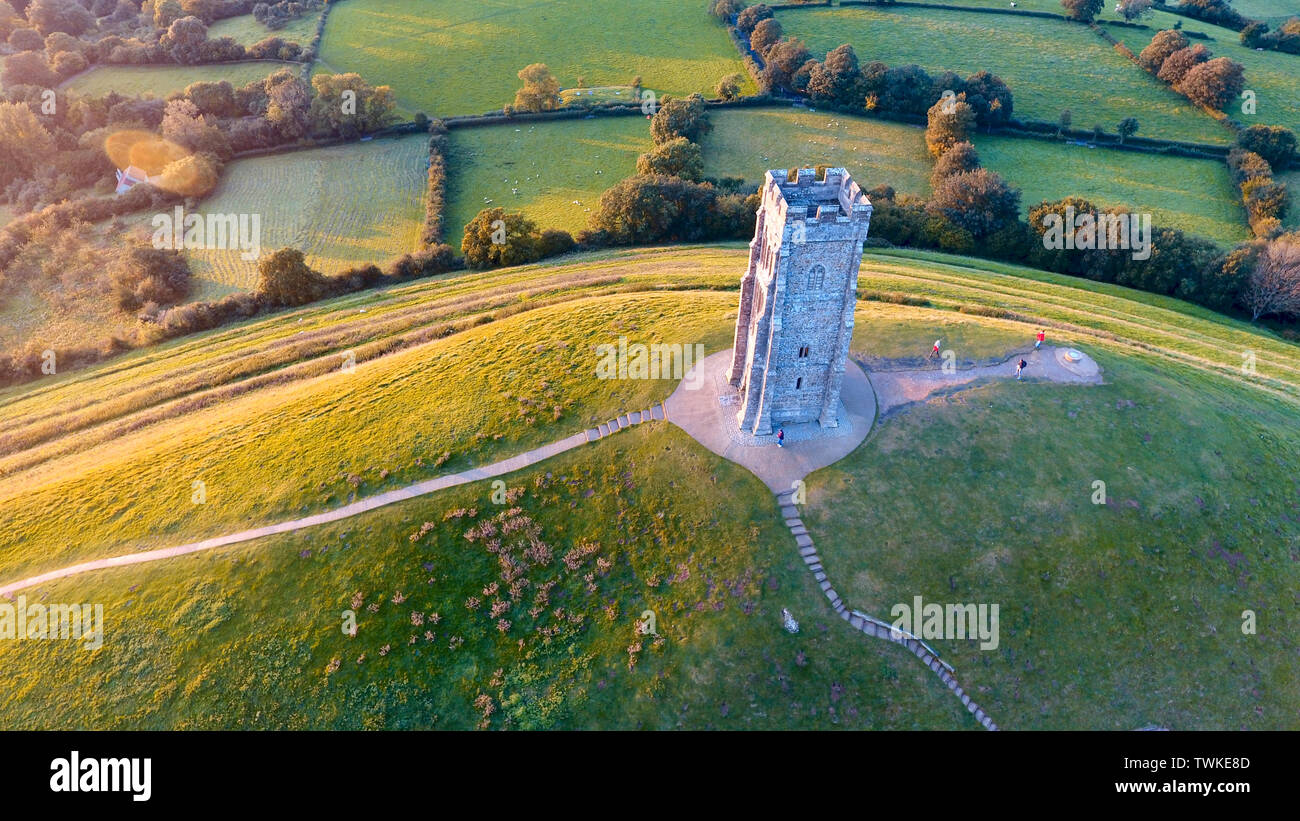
[804,198]
[797,299]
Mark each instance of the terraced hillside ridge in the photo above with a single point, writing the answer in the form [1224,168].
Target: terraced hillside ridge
[459,372]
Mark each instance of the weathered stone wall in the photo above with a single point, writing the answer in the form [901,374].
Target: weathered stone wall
[797,297]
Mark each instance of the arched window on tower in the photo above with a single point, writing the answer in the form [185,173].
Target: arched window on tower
[816,276]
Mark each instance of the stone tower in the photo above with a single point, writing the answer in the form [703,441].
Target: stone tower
[797,299]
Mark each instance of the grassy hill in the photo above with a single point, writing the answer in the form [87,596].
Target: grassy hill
[981,496]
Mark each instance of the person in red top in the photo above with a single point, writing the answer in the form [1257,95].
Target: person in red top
[1038,342]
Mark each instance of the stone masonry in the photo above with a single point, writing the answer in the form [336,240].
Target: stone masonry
[797,298]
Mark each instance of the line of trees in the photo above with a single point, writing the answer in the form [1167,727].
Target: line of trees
[1192,70]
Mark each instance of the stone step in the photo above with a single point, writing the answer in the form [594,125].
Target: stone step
[593,434]
[808,551]
[789,512]
[603,428]
[794,523]
[812,559]
[623,421]
[613,425]
[657,412]
[635,417]
[803,541]
[799,530]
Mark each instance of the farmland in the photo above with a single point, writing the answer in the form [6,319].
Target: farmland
[558,169]
[159,81]
[1049,65]
[378,189]
[1270,74]
[247,31]
[1194,195]
[446,58]
[745,143]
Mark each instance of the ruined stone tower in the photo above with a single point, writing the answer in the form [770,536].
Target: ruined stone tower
[797,299]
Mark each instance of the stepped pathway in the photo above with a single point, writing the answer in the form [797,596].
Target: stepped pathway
[401,494]
[861,621]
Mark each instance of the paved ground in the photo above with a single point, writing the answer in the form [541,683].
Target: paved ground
[708,414]
[896,389]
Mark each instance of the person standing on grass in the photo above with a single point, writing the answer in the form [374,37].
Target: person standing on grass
[1020,368]
[780,437]
[935,350]
[1038,341]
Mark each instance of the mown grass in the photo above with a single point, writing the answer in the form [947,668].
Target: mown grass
[1113,616]
[247,31]
[341,206]
[1196,196]
[1049,65]
[559,169]
[445,58]
[244,638]
[748,142]
[159,81]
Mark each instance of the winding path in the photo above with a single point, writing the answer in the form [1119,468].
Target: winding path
[401,494]
[893,390]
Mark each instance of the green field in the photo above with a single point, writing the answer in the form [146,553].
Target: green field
[1196,196]
[981,495]
[445,57]
[350,204]
[1292,180]
[558,168]
[160,81]
[1270,74]
[1049,65]
[247,31]
[1273,12]
[747,142]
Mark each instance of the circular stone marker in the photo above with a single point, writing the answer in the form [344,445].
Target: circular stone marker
[1078,363]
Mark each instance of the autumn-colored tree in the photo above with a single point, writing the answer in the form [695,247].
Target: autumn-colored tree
[1215,83]
[541,91]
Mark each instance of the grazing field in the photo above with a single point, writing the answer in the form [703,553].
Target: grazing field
[445,57]
[747,142]
[362,202]
[1194,195]
[554,172]
[247,31]
[464,370]
[159,81]
[1270,74]
[1273,12]
[1049,65]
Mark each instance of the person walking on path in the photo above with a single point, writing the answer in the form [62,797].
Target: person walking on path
[934,351]
[1020,368]
[1038,341]
[780,437]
